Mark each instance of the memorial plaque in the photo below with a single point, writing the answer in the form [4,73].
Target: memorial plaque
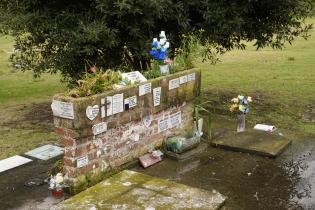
[82,161]
[62,109]
[145,89]
[174,83]
[99,128]
[163,124]
[92,111]
[157,96]
[118,103]
[191,77]
[175,119]
[183,79]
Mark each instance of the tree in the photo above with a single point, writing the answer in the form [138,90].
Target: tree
[70,36]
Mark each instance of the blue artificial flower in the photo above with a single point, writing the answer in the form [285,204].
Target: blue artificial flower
[155,44]
[245,101]
[154,53]
[163,49]
[246,110]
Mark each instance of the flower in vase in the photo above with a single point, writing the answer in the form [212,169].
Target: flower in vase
[249,99]
[242,108]
[235,100]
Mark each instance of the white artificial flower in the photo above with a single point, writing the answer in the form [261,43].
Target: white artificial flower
[162,42]
[162,34]
[167,45]
[155,39]
[59,178]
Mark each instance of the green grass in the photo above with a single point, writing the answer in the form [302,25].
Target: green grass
[282,81]
[25,116]
[17,86]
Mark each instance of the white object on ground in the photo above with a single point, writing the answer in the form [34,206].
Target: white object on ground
[13,162]
[263,127]
[45,152]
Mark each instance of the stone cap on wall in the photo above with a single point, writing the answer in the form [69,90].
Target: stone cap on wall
[176,89]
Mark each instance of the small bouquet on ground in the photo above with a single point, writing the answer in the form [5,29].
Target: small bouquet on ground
[159,52]
[56,184]
[240,104]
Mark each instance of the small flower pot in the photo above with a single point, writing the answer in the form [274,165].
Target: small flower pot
[164,69]
[57,192]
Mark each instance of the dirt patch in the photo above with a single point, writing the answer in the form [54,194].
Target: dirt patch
[34,116]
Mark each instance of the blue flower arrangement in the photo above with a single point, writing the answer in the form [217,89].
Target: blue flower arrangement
[159,48]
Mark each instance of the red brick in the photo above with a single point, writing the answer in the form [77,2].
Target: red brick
[59,131]
[67,142]
[72,134]
[69,162]
[70,171]
[69,152]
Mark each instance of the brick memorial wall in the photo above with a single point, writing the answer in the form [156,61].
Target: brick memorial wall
[105,131]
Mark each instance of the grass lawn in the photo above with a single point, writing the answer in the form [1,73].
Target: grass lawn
[281,81]
[25,116]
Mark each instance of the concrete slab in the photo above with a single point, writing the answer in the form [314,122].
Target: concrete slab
[133,190]
[46,152]
[13,162]
[254,142]
[188,154]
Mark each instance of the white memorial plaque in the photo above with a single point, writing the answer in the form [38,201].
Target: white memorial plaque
[174,83]
[157,96]
[99,128]
[191,77]
[92,111]
[62,109]
[134,76]
[118,103]
[144,89]
[163,124]
[103,113]
[82,161]
[102,101]
[183,79]
[175,119]
[131,102]
[109,105]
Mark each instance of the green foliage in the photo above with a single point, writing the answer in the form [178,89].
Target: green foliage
[96,82]
[62,35]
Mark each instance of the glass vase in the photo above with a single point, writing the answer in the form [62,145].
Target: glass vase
[241,123]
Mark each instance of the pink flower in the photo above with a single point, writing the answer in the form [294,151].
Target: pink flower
[168,61]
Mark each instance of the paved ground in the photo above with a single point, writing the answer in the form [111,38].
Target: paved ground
[133,190]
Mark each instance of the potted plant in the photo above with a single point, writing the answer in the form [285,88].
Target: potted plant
[159,52]
[240,105]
